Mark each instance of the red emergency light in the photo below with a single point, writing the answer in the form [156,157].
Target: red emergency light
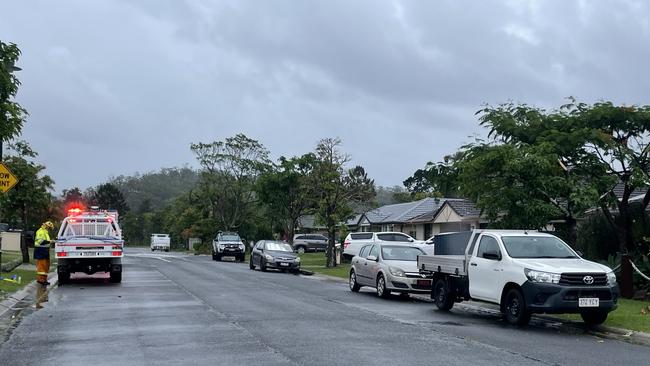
[74,211]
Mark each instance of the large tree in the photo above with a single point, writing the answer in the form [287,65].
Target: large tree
[230,170]
[12,115]
[338,190]
[438,179]
[107,197]
[286,191]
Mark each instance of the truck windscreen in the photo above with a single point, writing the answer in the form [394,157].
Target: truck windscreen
[536,247]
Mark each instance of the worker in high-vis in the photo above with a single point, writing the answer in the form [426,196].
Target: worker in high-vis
[42,252]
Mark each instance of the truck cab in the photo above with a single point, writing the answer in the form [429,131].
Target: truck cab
[89,242]
[525,272]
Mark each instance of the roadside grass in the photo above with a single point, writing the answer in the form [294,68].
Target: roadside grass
[631,314]
[315,262]
[7,288]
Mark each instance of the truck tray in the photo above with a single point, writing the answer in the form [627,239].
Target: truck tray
[450,264]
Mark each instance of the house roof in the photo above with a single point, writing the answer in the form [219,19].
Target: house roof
[309,222]
[620,187]
[464,208]
[405,212]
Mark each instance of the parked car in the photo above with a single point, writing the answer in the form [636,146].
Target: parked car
[355,241]
[309,243]
[388,268]
[524,272]
[274,254]
[228,244]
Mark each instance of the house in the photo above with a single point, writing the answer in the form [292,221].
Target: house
[421,219]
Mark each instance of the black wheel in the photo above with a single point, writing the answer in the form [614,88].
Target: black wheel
[301,249]
[515,308]
[250,264]
[594,317]
[442,297]
[116,277]
[382,291]
[152,249]
[64,277]
[217,257]
[262,266]
[214,256]
[354,286]
[167,250]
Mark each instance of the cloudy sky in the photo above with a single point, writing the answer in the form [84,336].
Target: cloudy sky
[118,87]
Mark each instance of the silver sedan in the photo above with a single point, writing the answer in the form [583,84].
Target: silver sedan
[388,268]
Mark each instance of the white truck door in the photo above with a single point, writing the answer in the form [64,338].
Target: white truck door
[486,270]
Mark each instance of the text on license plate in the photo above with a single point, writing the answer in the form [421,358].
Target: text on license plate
[90,254]
[424,282]
[588,302]
[284,264]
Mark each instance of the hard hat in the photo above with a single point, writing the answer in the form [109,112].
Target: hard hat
[49,225]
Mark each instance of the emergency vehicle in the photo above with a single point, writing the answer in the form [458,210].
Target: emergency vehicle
[89,242]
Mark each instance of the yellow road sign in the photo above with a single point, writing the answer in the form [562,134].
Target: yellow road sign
[7,179]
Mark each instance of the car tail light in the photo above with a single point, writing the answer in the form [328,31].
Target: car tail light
[117,253]
[62,254]
[345,244]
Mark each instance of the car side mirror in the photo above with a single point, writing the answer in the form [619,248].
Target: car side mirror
[494,256]
[372,258]
[261,249]
[411,240]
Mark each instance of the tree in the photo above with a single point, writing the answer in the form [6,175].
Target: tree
[439,179]
[12,115]
[337,190]
[230,171]
[73,197]
[30,202]
[107,197]
[285,190]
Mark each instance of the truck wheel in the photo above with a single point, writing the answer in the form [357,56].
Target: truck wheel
[301,250]
[382,291]
[64,277]
[354,285]
[515,308]
[116,277]
[214,256]
[250,264]
[442,297]
[594,317]
[152,249]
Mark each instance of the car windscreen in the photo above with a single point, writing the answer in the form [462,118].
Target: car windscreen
[536,247]
[281,247]
[229,238]
[400,253]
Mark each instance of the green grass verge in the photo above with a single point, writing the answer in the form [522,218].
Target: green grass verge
[631,314]
[315,262]
[7,288]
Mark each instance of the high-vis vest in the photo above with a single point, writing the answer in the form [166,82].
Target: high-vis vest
[41,251]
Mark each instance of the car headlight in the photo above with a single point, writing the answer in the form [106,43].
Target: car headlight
[611,278]
[297,259]
[269,258]
[221,246]
[397,272]
[542,277]
[241,246]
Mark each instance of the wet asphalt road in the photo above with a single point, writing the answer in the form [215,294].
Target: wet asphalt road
[174,309]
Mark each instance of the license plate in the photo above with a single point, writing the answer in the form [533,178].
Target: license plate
[284,264]
[588,302]
[424,283]
[90,254]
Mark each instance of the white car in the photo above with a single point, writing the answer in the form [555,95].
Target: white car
[355,241]
[388,268]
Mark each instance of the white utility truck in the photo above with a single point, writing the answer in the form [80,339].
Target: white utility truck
[160,242]
[524,272]
[89,242]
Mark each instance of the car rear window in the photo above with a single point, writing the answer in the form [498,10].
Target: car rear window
[361,236]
